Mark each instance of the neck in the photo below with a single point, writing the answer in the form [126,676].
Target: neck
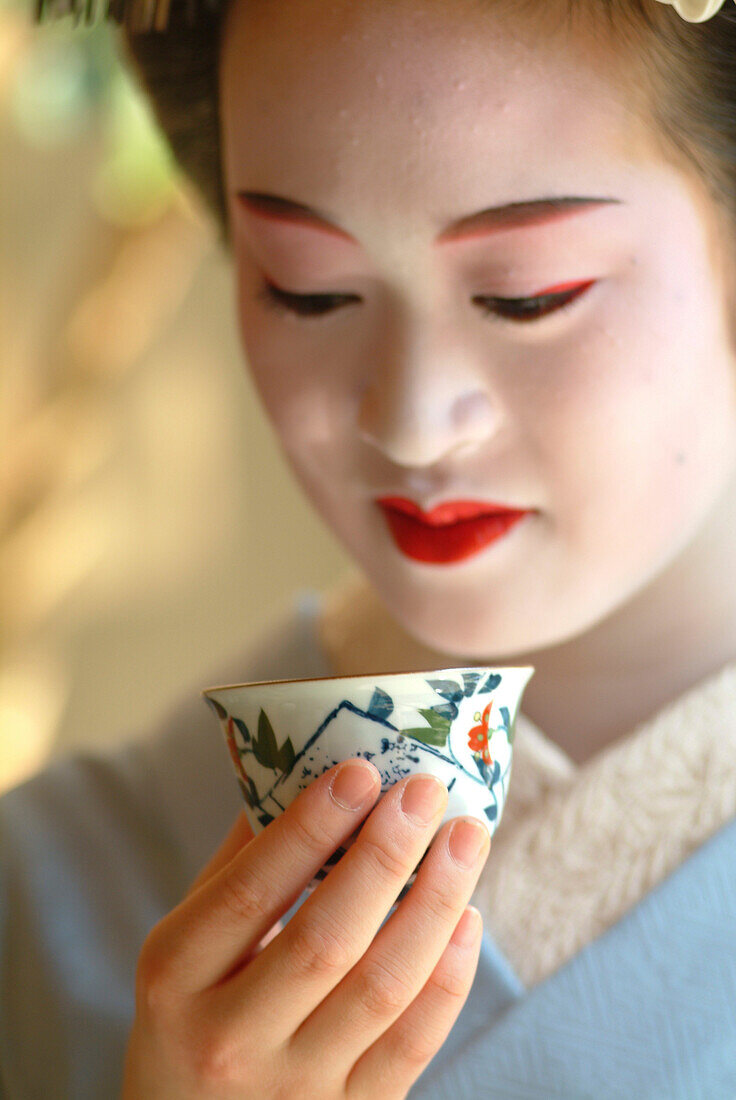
[594,688]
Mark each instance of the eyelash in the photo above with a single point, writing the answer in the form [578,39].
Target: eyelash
[315,306]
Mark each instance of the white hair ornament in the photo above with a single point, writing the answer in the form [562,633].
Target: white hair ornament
[695,11]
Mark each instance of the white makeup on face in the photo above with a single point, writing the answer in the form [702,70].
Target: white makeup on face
[571,360]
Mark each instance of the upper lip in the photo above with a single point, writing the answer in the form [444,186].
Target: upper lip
[448,511]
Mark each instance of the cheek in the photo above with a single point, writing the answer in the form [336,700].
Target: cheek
[289,374]
[637,433]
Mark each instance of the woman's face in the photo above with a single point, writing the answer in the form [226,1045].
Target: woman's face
[569,361]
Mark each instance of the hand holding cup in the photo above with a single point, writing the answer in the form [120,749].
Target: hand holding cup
[337,1003]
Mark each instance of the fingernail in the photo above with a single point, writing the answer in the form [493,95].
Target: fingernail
[467,840]
[468,927]
[352,783]
[422,797]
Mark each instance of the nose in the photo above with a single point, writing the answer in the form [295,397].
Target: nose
[424,403]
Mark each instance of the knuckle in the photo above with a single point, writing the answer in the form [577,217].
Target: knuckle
[389,861]
[217,1053]
[381,991]
[215,1065]
[153,978]
[316,949]
[244,895]
[439,897]
[416,1047]
[306,834]
[452,985]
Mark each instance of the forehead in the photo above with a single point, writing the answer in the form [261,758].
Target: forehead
[451,105]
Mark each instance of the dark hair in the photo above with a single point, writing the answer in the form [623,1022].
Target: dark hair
[685,72]
[178,70]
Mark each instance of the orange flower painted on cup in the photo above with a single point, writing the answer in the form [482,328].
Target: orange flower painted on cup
[478,736]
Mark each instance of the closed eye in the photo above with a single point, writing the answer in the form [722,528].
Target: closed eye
[524,310]
[514,310]
[303,305]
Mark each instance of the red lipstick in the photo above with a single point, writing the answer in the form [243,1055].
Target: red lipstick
[451,531]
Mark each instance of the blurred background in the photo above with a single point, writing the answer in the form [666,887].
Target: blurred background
[149,526]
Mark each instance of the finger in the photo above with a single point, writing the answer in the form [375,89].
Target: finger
[240,835]
[217,926]
[333,928]
[394,1062]
[403,955]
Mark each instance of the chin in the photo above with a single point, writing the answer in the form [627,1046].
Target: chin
[468,642]
[455,634]
[463,628]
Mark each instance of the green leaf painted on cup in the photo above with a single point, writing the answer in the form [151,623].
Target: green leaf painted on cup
[446,711]
[264,745]
[436,733]
[286,756]
[267,752]
[248,789]
[436,717]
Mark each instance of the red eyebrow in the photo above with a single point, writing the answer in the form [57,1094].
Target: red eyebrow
[513,215]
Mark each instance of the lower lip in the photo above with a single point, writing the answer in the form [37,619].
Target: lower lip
[451,542]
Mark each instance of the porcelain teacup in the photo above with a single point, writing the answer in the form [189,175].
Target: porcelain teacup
[455,723]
